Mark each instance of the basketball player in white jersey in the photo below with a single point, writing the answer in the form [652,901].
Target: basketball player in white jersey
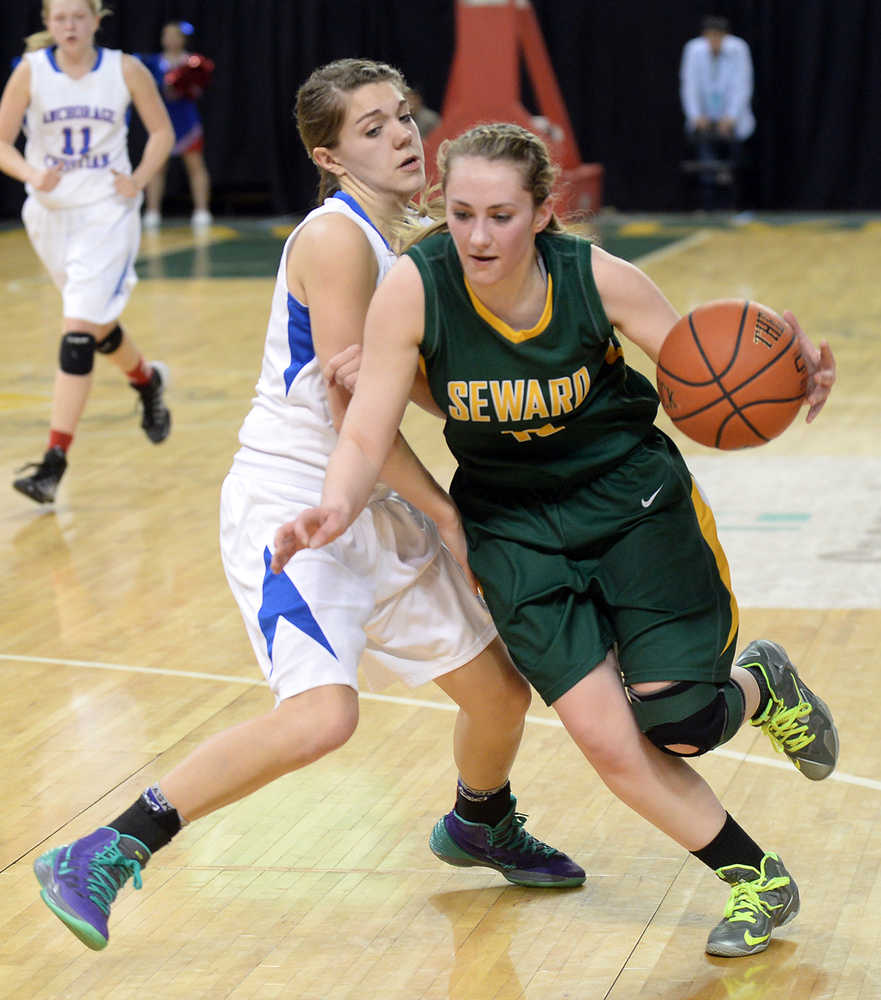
[82,211]
[388,588]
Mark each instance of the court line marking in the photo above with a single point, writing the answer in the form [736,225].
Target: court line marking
[847,779]
[677,246]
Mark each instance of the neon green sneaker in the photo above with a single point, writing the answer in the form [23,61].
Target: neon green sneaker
[797,722]
[759,902]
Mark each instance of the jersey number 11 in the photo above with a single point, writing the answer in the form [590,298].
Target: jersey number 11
[68,149]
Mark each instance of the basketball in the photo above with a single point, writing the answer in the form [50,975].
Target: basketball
[731,374]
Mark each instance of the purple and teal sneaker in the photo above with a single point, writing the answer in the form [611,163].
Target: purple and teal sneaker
[506,847]
[80,880]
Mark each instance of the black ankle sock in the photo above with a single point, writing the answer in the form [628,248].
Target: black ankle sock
[483,807]
[764,691]
[151,819]
[731,846]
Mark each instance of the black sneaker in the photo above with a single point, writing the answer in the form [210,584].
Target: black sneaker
[156,420]
[42,483]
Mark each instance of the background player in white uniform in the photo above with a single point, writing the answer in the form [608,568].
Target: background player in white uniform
[82,209]
[387,585]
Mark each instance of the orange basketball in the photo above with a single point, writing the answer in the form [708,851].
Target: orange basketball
[731,374]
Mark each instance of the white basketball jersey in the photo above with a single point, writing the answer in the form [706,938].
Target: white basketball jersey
[290,416]
[79,126]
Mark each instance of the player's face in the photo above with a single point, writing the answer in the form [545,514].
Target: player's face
[71,23]
[379,143]
[492,218]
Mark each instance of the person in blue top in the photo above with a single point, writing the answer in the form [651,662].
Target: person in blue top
[189,139]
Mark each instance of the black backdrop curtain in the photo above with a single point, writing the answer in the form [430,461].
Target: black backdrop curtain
[817,99]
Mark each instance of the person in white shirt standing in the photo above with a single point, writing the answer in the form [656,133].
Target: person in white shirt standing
[71,99]
[716,89]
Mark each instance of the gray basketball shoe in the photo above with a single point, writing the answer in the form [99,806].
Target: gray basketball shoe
[797,722]
[759,902]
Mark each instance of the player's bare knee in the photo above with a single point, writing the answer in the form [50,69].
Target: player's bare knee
[314,724]
[518,693]
[489,688]
[337,731]
[687,718]
[508,701]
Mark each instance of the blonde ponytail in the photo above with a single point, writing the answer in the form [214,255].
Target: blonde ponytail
[38,40]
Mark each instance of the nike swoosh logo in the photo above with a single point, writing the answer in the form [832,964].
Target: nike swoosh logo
[750,940]
[650,501]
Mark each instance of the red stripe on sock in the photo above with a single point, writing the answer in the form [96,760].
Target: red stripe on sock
[58,439]
[141,373]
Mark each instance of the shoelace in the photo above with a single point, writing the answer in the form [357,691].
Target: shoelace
[42,470]
[515,838]
[745,902]
[105,878]
[786,730]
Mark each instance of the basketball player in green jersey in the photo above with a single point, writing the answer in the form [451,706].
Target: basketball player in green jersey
[595,551]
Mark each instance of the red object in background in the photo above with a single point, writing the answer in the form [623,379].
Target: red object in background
[484,86]
[190,78]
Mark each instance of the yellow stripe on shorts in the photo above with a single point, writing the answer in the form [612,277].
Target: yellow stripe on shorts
[708,529]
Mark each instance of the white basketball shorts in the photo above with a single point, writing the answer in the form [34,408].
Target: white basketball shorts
[387,588]
[89,251]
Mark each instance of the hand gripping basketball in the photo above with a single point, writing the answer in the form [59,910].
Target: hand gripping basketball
[733,374]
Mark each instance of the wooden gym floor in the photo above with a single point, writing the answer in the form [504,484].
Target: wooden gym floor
[121,648]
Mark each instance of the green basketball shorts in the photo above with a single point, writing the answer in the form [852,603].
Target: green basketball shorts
[629,560]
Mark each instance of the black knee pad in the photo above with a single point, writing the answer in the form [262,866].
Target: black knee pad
[111,342]
[693,713]
[77,354]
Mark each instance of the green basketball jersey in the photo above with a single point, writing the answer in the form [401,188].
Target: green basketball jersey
[536,410]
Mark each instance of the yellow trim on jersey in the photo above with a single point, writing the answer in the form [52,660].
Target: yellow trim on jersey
[613,352]
[707,524]
[501,327]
